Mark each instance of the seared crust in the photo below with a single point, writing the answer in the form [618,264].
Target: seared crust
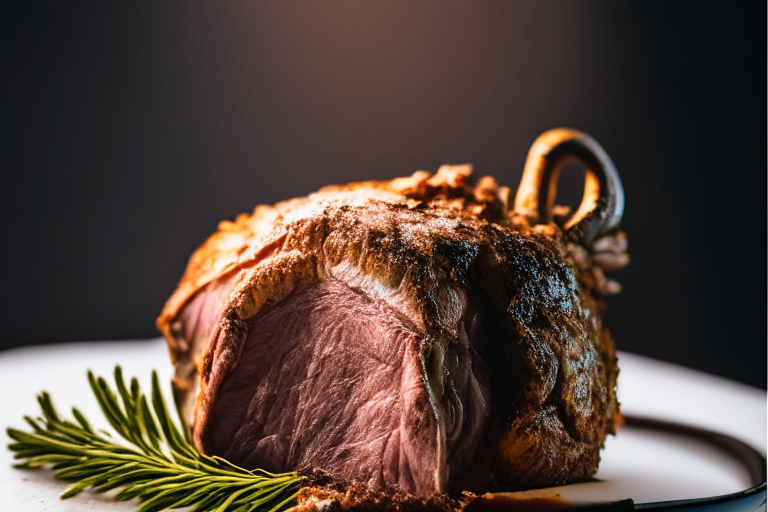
[437,240]
[251,238]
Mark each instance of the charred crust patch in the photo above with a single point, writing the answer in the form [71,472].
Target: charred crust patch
[337,495]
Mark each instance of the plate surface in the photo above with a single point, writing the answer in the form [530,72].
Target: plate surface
[639,464]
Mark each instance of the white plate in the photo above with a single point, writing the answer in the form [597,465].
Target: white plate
[639,464]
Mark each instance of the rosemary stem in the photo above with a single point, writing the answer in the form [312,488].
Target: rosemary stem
[158,464]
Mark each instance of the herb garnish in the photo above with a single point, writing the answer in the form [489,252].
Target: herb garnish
[160,466]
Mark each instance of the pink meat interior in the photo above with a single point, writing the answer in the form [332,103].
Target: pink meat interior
[331,379]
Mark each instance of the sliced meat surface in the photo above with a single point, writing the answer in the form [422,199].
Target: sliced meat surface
[351,402]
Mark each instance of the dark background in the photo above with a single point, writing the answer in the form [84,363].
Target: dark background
[129,129]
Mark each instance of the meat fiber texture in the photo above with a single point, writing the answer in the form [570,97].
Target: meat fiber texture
[412,335]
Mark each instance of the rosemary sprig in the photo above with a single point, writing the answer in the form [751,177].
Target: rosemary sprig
[159,464]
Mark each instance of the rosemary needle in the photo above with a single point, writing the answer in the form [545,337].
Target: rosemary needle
[159,465]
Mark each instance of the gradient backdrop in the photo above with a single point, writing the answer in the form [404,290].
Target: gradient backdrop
[129,129]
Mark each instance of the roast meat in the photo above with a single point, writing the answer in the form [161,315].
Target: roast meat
[420,335]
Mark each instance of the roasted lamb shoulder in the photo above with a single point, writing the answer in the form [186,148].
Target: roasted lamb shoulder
[418,335]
